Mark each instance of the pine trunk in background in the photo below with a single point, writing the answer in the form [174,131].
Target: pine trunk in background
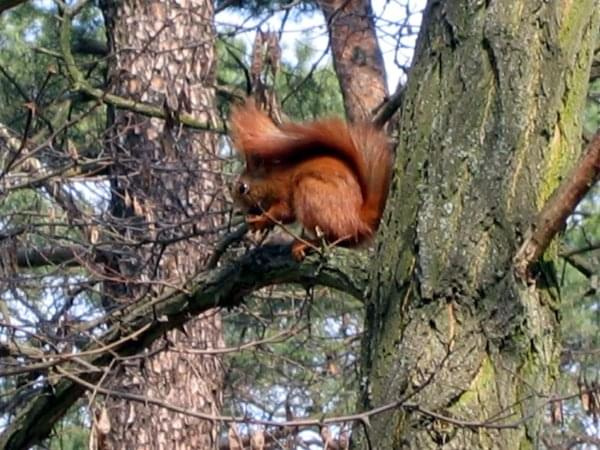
[356,54]
[165,191]
[490,122]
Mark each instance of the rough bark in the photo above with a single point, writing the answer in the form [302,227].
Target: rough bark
[490,122]
[356,54]
[164,188]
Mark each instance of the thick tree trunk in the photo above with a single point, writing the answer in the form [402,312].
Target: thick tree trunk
[164,189]
[492,117]
[356,54]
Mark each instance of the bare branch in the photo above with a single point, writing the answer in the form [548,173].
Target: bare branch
[38,257]
[80,84]
[7,4]
[389,108]
[223,287]
[561,204]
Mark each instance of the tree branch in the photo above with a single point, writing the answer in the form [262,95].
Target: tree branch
[7,4]
[47,256]
[222,287]
[389,108]
[561,204]
[80,84]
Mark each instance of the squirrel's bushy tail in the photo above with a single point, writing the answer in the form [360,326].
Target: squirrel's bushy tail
[362,146]
[376,154]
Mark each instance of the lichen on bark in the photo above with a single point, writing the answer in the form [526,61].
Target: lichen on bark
[490,122]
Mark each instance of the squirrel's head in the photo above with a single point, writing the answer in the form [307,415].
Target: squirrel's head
[252,194]
[242,194]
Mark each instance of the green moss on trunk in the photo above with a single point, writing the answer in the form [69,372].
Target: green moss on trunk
[491,121]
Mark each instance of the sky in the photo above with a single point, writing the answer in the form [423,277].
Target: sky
[311,29]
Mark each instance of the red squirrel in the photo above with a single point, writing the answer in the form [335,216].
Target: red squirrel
[330,176]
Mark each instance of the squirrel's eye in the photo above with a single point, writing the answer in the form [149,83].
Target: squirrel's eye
[243,188]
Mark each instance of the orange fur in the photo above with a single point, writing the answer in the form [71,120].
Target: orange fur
[331,177]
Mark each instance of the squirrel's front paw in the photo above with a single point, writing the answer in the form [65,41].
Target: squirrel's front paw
[299,250]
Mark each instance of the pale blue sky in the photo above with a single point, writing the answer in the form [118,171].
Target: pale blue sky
[311,29]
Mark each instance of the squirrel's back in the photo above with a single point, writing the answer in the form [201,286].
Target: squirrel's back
[362,146]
